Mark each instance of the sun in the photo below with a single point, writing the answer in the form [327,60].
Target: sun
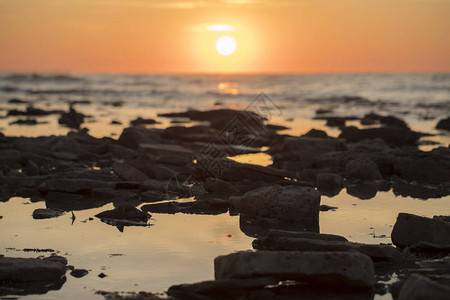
[226,45]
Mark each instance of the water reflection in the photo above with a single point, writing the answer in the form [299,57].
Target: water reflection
[228,88]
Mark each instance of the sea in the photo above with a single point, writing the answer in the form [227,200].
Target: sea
[181,248]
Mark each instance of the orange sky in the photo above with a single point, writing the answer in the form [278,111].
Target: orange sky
[170,36]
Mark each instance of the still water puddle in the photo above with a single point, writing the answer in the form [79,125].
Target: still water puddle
[176,248]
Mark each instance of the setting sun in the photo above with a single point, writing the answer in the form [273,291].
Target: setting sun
[226,45]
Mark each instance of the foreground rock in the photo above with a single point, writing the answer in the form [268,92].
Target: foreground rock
[410,230]
[393,136]
[30,269]
[333,268]
[287,204]
[419,287]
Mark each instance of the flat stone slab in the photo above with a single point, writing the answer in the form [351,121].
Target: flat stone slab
[30,269]
[333,268]
[411,229]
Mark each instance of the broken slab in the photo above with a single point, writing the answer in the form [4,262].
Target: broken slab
[410,229]
[333,268]
[288,204]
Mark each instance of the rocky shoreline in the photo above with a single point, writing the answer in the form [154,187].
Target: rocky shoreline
[146,170]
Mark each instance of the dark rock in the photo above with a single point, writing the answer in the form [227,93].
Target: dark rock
[24,122]
[276,127]
[221,118]
[306,235]
[115,122]
[31,168]
[31,111]
[73,185]
[334,268]
[56,258]
[71,119]
[46,213]
[335,122]
[78,273]
[80,102]
[218,186]
[324,207]
[411,229]
[420,191]
[128,173]
[141,121]
[363,190]
[209,206]
[17,101]
[423,166]
[288,204]
[362,169]
[328,183]
[376,252]
[419,287]
[306,144]
[132,137]
[154,196]
[219,287]
[315,133]
[444,124]
[371,119]
[164,149]
[321,111]
[102,275]
[229,170]
[30,269]
[124,212]
[393,136]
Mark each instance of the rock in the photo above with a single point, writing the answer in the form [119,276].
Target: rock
[164,149]
[141,121]
[130,296]
[324,207]
[376,252]
[306,235]
[30,269]
[221,118]
[335,122]
[24,122]
[210,206]
[32,111]
[410,229]
[362,169]
[419,287]
[128,173]
[17,101]
[31,168]
[307,144]
[78,273]
[102,275]
[315,133]
[288,204]
[71,119]
[73,185]
[423,166]
[372,118]
[393,136]
[132,137]
[124,212]
[444,124]
[115,122]
[214,288]
[229,170]
[329,182]
[333,268]
[46,213]
[218,186]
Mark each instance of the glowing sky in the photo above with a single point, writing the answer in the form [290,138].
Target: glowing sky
[179,36]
